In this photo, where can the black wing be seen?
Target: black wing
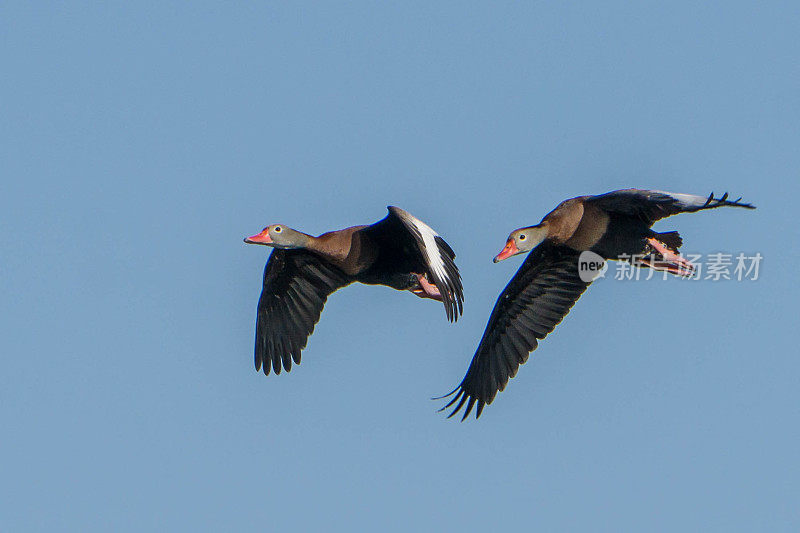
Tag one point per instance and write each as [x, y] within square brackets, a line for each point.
[432, 251]
[296, 285]
[536, 299]
[650, 206]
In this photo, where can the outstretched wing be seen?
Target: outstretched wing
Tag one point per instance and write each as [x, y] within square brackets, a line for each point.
[296, 285]
[651, 206]
[438, 258]
[536, 299]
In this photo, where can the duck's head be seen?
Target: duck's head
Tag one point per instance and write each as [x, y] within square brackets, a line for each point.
[279, 236]
[522, 240]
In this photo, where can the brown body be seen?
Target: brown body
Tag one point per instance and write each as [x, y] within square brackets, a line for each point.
[591, 228]
[583, 225]
[350, 249]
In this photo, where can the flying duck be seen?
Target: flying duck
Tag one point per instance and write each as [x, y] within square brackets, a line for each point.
[399, 251]
[615, 225]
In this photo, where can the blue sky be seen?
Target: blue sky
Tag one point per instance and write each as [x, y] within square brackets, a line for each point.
[141, 142]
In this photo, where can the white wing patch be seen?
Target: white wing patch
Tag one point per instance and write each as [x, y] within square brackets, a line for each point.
[443, 270]
[686, 201]
[432, 254]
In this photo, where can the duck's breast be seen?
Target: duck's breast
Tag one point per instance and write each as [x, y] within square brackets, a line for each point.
[590, 230]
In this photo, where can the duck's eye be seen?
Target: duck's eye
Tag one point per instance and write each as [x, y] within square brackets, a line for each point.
[522, 237]
[278, 229]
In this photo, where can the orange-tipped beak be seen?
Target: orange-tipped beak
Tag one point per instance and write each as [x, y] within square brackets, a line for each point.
[509, 250]
[261, 238]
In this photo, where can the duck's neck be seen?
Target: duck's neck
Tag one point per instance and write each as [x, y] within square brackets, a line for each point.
[347, 249]
[332, 245]
[305, 241]
[539, 233]
[293, 239]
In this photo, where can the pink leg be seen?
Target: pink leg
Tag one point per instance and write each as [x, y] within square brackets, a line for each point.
[672, 262]
[672, 268]
[426, 289]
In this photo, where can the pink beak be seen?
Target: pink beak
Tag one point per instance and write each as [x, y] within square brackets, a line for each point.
[509, 250]
[261, 238]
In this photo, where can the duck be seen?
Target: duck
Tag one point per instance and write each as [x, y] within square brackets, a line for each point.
[399, 251]
[612, 226]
